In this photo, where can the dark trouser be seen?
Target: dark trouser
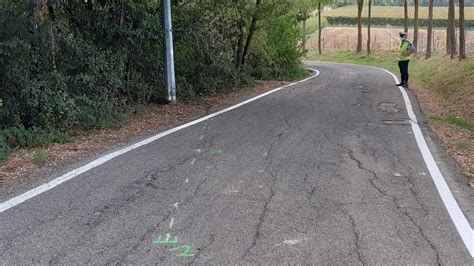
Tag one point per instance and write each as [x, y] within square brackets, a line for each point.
[403, 65]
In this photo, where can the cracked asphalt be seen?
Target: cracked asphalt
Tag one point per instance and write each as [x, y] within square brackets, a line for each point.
[323, 172]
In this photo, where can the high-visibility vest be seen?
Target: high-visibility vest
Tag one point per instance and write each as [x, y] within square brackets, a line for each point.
[404, 48]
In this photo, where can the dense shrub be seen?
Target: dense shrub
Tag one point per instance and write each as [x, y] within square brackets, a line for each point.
[82, 64]
[4, 149]
[277, 56]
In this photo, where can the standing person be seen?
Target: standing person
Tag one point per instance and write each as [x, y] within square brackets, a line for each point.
[404, 56]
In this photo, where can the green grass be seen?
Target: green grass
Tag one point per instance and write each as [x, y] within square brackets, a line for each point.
[387, 60]
[454, 120]
[463, 146]
[450, 80]
[396, 12]
[312, 25]
[40, 158]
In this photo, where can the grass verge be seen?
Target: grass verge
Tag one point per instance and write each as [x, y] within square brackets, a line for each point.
[454, 120]
[450, 81]
[444, 89]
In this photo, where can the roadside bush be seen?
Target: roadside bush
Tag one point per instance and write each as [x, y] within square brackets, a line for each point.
[276, 54]
[79, 65]
[4, 149]
[18, 137]
[39, 158]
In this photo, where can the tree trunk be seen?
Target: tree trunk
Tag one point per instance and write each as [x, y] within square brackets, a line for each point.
[253, 27]
[448, 35]
[405, 7]
[430, 30]
[122, 13]
[368, 26]
[360, 5]
[415, 30]
[462, 40]
[240, 45]
[451, 31]
[319, 28]
[303, 41]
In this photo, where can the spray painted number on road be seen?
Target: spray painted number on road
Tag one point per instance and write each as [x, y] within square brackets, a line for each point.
[185, 252]
[171, 241]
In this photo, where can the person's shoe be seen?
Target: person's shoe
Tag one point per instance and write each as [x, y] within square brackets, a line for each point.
[400, 84]
[405, 85]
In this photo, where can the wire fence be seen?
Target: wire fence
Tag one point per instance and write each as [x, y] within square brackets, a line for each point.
[384, 39]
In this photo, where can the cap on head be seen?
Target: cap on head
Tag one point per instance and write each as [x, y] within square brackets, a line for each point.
[402, 34]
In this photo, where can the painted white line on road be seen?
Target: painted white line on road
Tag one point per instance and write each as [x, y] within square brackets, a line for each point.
[457, 216]
[462, 225]
[70, 175]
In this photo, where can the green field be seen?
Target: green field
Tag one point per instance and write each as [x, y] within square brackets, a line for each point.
[396, 12]
[312, 25]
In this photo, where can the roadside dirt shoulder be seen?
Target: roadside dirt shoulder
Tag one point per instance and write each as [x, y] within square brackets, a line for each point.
[458, 142]
[20, 167]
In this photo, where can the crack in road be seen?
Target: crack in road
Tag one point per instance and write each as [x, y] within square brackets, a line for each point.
[273, 177]
[356, 234]
[397, 206]
[200, 250]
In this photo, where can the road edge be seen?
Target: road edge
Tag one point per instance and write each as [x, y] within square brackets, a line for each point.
[16, 200]
[457, 216]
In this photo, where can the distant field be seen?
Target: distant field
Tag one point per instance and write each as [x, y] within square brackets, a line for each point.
[396, 12]
[383, 39]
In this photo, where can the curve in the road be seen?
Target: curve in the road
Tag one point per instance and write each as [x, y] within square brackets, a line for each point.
[462, 225]
[76, 172]
[459, 219]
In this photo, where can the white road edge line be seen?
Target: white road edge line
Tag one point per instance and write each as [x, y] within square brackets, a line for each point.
[70, 175]
[459, 220]
[457, 216]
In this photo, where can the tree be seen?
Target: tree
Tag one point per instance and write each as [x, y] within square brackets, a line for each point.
[405, 7]
[253, 28]
[319, 28]
[241, 32]
[430, 30]
[360, 6]
[451, 31]
[415, 30]
[368, 26]
[304, 9]
[462, 40]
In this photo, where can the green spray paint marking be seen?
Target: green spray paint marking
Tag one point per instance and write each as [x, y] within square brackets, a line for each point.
[160, 241]
[169, 241]
[185, 252]
[216, 152]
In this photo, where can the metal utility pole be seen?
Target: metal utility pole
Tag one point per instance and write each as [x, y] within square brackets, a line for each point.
[170, 76]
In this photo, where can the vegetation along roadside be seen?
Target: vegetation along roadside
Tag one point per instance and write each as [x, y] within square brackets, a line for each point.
[445, 91]
[72, 67]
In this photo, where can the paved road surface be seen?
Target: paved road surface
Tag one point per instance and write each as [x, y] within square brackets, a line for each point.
[325, 172]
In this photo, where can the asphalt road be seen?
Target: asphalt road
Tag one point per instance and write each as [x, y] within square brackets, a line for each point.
[324, 172]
